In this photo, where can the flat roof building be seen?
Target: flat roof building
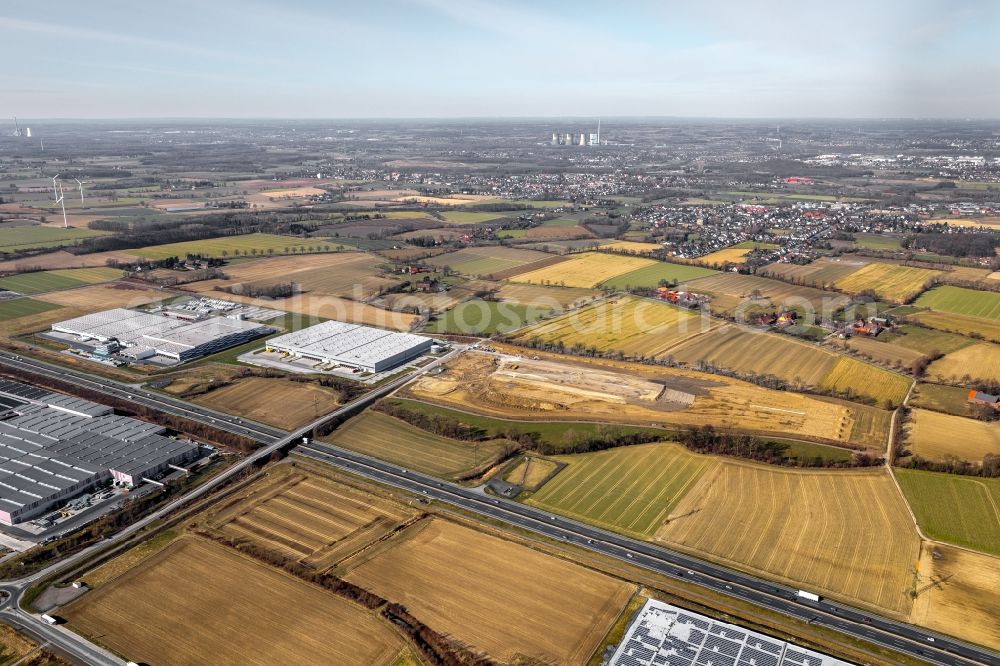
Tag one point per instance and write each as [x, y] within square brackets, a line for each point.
[177, 339]
[55, 446]
[665, 635]
[340, 343]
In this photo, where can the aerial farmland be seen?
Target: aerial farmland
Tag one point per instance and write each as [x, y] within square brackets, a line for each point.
[651, 361]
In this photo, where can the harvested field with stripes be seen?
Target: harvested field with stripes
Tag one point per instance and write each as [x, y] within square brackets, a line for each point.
[555, 298]
[651, 276]
[496, 595]
[388, 438]
[851, 377]
[822, 273]
[958, 594]
[347, 274]
[962, 324]
[889, 281]
[196, 598]
[307, 518]
[937, 436]
[631, 246]
[586, 270]
[629, 489]
[845, 534]
[758, 353]
[255, 398]
[106, 296]
[487, 260]
[896, 356]
[729, 255]
[796, 363]
[979, 361]
[732, 294]
[634, 326]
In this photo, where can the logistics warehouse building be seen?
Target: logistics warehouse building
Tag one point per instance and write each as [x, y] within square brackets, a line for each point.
[147, 334]
[54, 446]
[364, 347]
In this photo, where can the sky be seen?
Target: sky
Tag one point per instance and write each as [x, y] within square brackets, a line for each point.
[499, 58]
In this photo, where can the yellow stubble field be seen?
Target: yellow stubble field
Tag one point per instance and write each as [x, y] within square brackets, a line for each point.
[586, 270]
[496, 595]
[840, 533]
[196, 598]
[956, 593]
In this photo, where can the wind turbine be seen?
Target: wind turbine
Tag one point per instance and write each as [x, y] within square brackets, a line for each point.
[81, 184]
[61, 199]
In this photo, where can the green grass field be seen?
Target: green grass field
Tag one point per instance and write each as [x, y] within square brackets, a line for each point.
[247, 244]
[14, 239]
[962, 510]
[22, 307]
[650, 276]
[948, 399]
[43, 281]
[878, 242]
[959, 300]
[925, 340]
[630, 489]
[396, 441]
[478, 317]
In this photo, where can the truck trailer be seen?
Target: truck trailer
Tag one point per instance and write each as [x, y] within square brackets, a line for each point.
[802, 594]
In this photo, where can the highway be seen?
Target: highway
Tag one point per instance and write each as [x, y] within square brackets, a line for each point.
[272, 438]
[919, 643]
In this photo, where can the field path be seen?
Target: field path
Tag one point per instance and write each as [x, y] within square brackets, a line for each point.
[889, 461]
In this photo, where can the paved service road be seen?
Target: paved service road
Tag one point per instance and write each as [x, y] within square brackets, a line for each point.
[893, 635]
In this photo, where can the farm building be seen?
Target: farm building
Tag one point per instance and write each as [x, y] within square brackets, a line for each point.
[54, 446]
[980, 398]
[665, 634]
[363, 347]
[148, 334]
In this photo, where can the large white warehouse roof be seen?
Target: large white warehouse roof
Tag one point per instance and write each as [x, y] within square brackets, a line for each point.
[352, 344]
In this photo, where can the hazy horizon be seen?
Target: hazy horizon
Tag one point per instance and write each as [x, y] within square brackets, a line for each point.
[438, 59]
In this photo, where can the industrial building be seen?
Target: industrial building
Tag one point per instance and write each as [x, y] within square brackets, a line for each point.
[363, 347]
[665, 635]
[55, 446]
[142, 335]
